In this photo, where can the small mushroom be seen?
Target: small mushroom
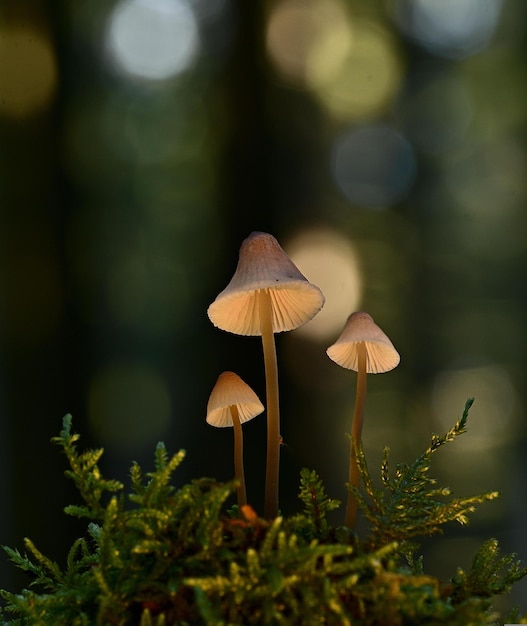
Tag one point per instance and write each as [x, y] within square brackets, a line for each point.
[231, 403]
[267, 294]
[363, 347]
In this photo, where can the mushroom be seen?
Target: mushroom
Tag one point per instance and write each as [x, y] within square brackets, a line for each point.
[231, 403]
[363, 347]
[267, 294]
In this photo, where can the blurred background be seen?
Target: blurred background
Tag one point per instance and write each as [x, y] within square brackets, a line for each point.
[382, 142]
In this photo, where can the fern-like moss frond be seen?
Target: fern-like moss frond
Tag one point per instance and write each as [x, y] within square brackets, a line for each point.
[409, 503]
[165, 554]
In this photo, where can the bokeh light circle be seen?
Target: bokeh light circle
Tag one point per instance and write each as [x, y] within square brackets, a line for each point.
[351, 64]
[306, 36]
[374, 166]
[495, 404]
[28, 71]
[128, 404]
[152, 39]
[449, 28]
[365, 80]
[330, 262]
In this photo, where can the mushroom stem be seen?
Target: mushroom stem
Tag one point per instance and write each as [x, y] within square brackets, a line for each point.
[356, 433]
[238, 456]
[273, 410]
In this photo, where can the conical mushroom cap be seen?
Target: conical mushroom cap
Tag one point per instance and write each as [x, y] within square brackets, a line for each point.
[231, 390]
[360, 327]
[263, 265]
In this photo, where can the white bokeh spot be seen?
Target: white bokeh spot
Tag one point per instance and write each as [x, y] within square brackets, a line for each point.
[152, 39]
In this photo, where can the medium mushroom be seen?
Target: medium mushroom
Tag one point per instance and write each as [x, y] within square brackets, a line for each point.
[364, 348]
[267, 294]
[231, 403]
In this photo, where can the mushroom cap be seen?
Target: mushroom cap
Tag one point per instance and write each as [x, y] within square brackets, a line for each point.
[381, 356]
[263, 265]
[230, 390]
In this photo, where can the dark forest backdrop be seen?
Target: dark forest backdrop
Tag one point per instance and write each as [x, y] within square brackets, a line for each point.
[382, 143]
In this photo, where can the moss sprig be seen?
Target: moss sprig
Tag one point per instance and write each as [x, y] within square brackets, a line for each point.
[409, 502]
[490, 574]
[316, 506]
[164, 554]
[85, 473]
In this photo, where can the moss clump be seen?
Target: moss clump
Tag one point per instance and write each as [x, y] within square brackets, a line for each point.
[177, 555]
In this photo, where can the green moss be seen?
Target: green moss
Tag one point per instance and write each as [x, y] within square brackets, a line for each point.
[165, 555]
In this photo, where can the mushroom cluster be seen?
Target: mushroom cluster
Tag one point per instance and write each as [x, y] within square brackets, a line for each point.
[266, 295]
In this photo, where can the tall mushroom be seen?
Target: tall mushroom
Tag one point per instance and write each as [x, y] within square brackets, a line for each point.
[363, 347]
[267, 294]
[231, 403]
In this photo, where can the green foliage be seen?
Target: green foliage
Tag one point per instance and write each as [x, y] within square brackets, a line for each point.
[312, 522]
[489, 575]
[85, 474]
[163, 555]
[410, 503]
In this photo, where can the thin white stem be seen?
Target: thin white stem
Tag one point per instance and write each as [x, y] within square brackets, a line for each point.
[273, 411]
[238, 456]
[356, 434]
